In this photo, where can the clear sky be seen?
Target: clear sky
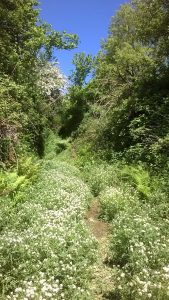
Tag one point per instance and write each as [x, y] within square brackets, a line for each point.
[89, 19]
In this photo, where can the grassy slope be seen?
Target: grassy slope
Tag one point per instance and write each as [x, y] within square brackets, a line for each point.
[46, 251]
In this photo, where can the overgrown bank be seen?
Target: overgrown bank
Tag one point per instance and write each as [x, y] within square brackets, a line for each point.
[46, 250]
[135, 204]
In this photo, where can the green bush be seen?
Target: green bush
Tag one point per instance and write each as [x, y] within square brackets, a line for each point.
[139, 177]
[18, 179]
[100, 175]
[139, 252]
[54, 145]
[113, 200]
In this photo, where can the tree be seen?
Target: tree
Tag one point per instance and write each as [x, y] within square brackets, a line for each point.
[51, 81]
[25, 40]
[76, 101]
[131, 82]
[83, 64]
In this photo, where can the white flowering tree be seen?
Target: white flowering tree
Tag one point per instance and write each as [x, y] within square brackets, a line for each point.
[51, 81]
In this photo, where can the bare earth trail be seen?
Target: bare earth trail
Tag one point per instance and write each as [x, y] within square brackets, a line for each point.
[101, 283]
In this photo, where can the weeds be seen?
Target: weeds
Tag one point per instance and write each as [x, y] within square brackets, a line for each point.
[46, 251]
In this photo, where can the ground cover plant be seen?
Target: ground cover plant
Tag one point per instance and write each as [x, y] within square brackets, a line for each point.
[137, 211]
[46, 251]
[139, 241]
[115, 199]
[139, 255]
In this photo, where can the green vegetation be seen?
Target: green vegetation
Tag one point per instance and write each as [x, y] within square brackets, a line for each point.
[30, 85]
[11, 183]
[106, 138]
[46, 250]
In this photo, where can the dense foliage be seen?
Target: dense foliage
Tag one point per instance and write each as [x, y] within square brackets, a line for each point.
[128, 94]
[26, 46]
[123, 113]
[113, 116]
[46, 251]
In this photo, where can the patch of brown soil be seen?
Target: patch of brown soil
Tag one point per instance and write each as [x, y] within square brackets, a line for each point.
[101, 283]
[97, 227]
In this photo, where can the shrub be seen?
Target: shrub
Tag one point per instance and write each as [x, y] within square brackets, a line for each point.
[139, 252]
[113, 200]
[54, 145]
[139, 177]
[13, 182]
[100, 175]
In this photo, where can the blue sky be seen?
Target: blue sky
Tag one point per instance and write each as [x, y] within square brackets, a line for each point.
[88, 18]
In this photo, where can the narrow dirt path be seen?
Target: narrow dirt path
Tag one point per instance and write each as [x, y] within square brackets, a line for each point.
[101, 284]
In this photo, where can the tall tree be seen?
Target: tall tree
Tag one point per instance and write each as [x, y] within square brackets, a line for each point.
[131, 81]
[83, 64]
[24, 41]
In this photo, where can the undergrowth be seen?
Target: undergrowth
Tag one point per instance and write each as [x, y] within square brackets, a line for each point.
[13, 182]
[135, 202]
[46, 251]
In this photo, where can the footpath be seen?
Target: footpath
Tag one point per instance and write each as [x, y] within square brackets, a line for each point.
[101, 284]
